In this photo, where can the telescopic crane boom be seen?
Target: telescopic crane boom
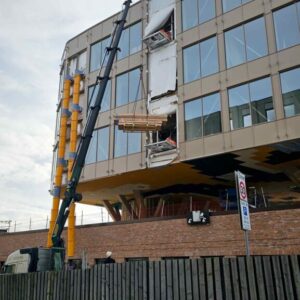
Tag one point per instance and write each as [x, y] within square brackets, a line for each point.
[70, 194]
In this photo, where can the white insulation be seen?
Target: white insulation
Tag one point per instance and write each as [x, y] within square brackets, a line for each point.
[162, 70]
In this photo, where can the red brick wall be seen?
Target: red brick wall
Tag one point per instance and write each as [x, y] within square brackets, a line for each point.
[274, 232]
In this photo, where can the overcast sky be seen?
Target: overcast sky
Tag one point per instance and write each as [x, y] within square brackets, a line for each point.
[32, 38]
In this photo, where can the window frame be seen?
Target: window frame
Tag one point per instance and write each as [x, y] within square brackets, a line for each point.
[202, 116]
[250, 101]
[242, 25]
[199, 45]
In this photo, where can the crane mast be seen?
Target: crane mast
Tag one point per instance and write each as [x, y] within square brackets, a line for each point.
[71, 195]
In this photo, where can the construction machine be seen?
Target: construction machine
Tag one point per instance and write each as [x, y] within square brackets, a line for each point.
[46, 259]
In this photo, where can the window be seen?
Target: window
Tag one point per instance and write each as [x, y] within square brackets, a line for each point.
[131, 40]
[127, 142]
[128, 87]
[202, 117]
[290, 87]
[287, 26]
[99, 146]
[200, 60]
[231, 4]
[196, 12]
[246, 42]
[92, 94]
[251, 103]
[77, 63]
[98, 51]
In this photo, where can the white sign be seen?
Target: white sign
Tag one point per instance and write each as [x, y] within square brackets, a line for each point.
[244, 207]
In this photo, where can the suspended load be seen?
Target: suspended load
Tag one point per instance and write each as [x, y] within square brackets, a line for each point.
[139, 122]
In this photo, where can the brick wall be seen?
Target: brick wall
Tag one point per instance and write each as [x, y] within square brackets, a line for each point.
[274, 232]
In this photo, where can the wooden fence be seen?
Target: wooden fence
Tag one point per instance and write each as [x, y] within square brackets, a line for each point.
[257, 277]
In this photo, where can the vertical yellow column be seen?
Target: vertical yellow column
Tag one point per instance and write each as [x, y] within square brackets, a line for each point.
[60, 157]
[73, 142]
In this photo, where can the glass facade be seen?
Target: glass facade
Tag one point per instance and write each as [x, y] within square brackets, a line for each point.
[290, 88]
[287, 26]
[246, 42]
[200, 60]
[202, 117]
[92, 94]
[195, 12]
[97, 54]
[231, 4]
[251, 103]
[128, 87]
[99, 146]
[131, 41]
[126, 143]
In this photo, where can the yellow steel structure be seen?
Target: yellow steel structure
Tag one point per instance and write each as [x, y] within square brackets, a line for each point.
[60, 157]
[73, 146]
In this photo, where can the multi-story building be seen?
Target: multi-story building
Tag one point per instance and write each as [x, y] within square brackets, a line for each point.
[226, 73]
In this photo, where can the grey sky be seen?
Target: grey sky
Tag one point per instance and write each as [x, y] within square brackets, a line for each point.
[32, 38]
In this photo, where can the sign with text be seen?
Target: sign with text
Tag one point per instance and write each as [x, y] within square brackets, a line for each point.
[243, 200]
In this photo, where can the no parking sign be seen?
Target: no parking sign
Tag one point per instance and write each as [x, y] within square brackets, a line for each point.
[243, 199]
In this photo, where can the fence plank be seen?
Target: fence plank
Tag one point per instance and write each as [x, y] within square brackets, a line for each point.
[217, 276]
[210, 279]
[163, 290]
[119, 281]
[140, 285]
[151, 281]
[103, 272]
[235, 278]
[175, 279]
[127, 290]
[251, 278]
[169, 279]
[227, 278]
[261, 291]
[188, 280]
[145, 281]
[243, 278]
[202, 272]
[278, 277]
[157, 280]
[136, 280]
[286, 276]
[182, 293]
[296, 275]
[268, 277]
[195, 283]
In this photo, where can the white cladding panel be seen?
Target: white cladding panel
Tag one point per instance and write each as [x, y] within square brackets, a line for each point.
[162, 70]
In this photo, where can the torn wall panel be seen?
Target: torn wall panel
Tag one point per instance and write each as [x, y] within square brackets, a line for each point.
[157, 5]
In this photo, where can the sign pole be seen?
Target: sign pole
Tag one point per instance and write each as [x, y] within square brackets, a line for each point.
[243, 207]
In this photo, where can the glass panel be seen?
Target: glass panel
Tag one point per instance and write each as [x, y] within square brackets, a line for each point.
[209, 57]
[239, 106]
[211, 114]
[207, 10]
[235, 47]
[82, 61]
[103, 144]
[286, 27]
[134, 142]
[124, 44]
[192, 117]
[120, 142]
[189, 14]
[92, 94]
[106, 98]
[134, 85]
[191, 61]
[72, 66]
[261, 100]
[95, 57]
[91, 154]
[230, 4]
[135, 38]
[290, 87]
[122, 89]
[256, 39]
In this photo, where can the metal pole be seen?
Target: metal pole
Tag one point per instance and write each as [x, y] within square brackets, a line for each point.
[247, 242]
[15, 226]
[47, 222]
[102, 215]
[82, 217]
[30, 224]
